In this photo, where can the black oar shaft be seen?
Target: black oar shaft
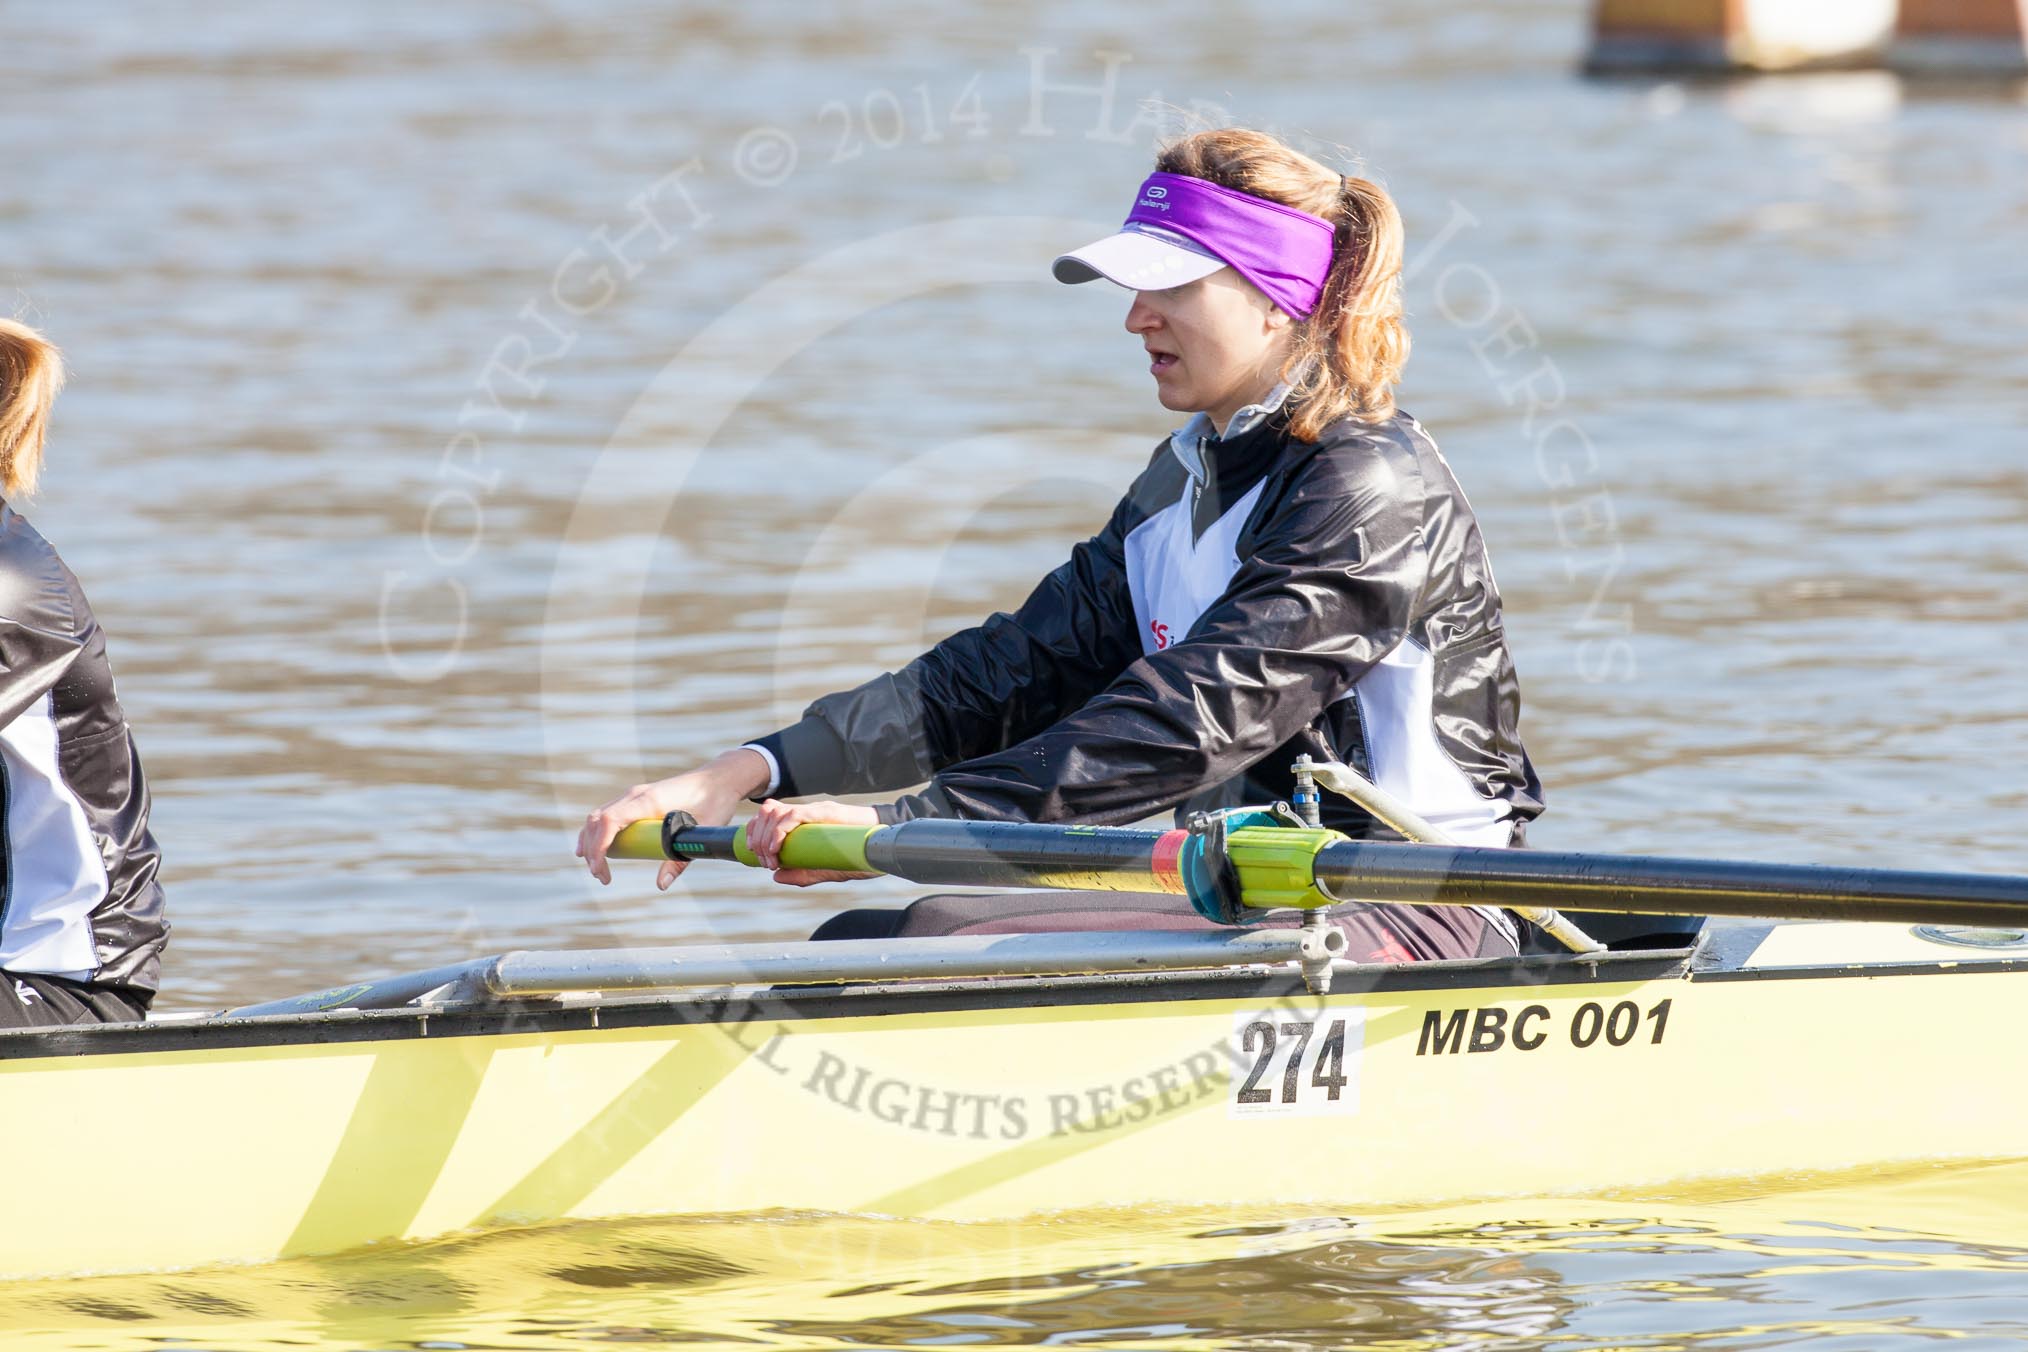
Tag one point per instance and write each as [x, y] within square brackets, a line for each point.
[1651, 885]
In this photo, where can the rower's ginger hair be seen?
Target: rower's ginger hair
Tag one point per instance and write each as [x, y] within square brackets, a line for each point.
[31, 372]
[1346, 358]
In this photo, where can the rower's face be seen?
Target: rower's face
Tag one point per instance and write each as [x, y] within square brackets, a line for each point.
[1215, 345]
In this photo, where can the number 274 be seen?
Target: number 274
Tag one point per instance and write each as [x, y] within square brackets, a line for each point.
[1260, 1040]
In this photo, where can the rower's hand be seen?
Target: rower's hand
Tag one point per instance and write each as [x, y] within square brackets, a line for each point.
[708, 793]
[768, 828]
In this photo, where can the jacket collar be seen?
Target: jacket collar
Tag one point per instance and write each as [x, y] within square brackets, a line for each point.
[1189, 442]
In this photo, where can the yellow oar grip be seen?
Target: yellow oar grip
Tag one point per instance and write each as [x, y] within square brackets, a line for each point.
[638, 840]
[816, 845]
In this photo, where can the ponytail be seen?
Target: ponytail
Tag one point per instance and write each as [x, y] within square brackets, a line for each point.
[31, 372]
[1347, 357]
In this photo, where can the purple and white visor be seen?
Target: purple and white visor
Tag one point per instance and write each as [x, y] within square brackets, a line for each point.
[1184, 228]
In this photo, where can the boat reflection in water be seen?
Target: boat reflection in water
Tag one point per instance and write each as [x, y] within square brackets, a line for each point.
[1873, 1257]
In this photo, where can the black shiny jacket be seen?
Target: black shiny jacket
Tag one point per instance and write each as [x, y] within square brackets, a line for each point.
[1055, 713]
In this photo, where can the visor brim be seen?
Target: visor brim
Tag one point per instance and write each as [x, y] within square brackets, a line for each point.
[1136, 260]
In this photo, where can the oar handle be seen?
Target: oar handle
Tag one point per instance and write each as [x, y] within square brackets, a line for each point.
[822, 845]
[1275, 866]
[642, 840]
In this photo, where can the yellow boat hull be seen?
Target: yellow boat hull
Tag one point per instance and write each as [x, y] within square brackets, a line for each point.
[257, 1139]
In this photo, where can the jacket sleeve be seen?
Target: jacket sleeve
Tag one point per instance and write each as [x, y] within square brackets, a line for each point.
[978, 691]
[33, 658]
[1328, 590]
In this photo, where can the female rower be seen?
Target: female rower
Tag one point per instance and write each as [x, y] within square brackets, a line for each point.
[1295, 571]
[81, 932]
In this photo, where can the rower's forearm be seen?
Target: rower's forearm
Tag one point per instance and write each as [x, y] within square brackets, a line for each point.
[743, 771]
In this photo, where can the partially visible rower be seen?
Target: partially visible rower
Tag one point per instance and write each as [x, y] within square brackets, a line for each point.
[81, 932]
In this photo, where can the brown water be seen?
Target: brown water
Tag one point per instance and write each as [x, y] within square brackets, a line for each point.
[430, 493]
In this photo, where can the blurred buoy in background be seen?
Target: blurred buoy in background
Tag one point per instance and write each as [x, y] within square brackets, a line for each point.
[1961, 37]
[1733, 35]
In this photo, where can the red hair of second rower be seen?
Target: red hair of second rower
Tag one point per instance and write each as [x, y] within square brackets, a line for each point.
[31, 372]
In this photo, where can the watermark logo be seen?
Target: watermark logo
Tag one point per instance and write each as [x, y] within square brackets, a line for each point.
[1509, 350]
[609, 561]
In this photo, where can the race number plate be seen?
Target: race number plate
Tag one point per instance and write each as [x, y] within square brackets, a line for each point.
[1295, 1064]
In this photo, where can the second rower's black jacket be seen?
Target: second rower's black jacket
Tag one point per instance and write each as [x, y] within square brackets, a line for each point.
[1250, 600]
[78, 896]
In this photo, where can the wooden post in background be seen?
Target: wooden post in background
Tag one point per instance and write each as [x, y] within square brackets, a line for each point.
[1690, 36]
[1663, 35]
[1961, 37]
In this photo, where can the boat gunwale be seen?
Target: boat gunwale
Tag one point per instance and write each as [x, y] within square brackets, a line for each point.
[1718, 955]
[743, 1005]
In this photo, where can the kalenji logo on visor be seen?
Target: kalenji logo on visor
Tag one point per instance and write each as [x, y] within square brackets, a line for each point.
[1158, 192]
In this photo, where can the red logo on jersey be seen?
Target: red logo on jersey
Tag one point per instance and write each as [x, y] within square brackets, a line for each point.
[1161, 632]
[1390, 950]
